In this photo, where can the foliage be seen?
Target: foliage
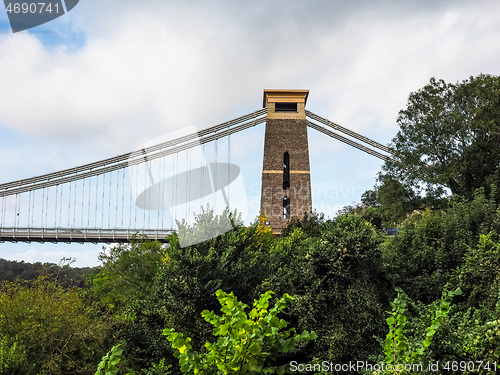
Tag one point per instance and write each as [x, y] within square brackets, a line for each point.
[450, 135]
[369, 213]
[139, 329]
[124, 285]
[109, 363]
[13, 359]
[206, 225]
[339, 285]
[68, 276]
[184, 283]
[396, 201]
[393, 201]
[246, 344]
[127, 273]
[309, 224]
[481, 339]
[260, 232]
[57, 329]
[401, 350]
[479, 276]
[187, 280]
[430, 245]
[478, 319]
[159, 368]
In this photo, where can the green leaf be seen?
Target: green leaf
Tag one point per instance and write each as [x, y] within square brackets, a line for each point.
[255, 348]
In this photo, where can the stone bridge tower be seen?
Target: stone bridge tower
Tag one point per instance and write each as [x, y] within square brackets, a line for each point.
[286, 182]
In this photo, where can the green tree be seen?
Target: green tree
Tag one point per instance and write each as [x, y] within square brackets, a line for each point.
[472, 332]
[59, 332]
[237, 260]
[124, 285]
[339, 285]
[127, 273]
[430, 245]
[479, 335]
[309, 224]
[478, 317]
[395, 200]
[450, 135]
[479, 276]
[207, 225]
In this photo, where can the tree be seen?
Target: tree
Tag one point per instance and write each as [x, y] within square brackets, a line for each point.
[479, 275]
[58, 332]
[127, 273]
[13, 359]
[478, 317]
[11, 270]
[339, 284]
[450, 135]
[124, 285]
[396, 201]
[189, 276]
[431, 244]
[309, 224]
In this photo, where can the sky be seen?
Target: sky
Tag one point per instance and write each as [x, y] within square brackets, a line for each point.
[111, 75]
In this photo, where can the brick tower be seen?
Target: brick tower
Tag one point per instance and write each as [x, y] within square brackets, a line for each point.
[286, 182]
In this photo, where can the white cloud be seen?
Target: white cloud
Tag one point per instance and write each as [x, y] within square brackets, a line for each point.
[149, 67]
[145, 71]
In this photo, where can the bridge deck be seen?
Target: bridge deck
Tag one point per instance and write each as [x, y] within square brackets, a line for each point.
[80, 235]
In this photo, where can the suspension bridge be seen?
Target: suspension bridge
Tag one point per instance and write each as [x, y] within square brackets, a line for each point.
[146, 192]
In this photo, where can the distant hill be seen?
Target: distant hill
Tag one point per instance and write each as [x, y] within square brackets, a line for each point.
[11, 270]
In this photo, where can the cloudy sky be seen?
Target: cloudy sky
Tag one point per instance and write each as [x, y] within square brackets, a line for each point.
[113, 74]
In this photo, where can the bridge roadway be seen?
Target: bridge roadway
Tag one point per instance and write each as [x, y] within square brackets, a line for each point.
[81, 235]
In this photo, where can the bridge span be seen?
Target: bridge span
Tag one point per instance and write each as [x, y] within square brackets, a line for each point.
[147, 192]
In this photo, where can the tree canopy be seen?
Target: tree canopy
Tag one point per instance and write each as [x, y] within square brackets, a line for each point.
[450, 135]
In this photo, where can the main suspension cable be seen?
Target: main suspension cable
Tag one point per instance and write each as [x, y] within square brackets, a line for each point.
[135, 158]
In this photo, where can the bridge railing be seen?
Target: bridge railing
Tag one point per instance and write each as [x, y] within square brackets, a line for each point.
[80, 235]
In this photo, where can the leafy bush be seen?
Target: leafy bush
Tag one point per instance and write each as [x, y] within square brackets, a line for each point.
[399, 349]
[478, 317]
[246, 344]
[13, 360]
[109, 363]
[479, 276]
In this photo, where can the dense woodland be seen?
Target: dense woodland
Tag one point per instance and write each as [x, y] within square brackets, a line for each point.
[344, 290]
[11, 270]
